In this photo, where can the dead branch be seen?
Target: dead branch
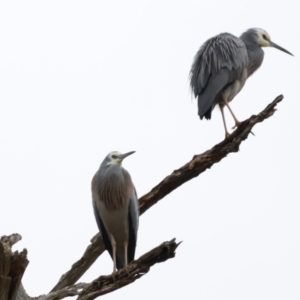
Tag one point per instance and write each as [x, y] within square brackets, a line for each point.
[68, 291]
[136, 269]
[93, 251]
[12, 267]
[107, 284]
[199, 164]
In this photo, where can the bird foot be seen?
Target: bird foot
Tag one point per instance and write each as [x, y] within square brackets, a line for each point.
[237, 124]
[227, 135]
[126, 270]
[113, 275]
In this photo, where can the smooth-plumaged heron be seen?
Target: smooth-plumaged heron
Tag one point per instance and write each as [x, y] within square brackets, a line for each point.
[116, 209]
[221, 67]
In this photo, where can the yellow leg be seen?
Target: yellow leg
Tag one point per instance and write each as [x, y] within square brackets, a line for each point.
[114, 249]
[126, 256]
[227, 134]
[237, 122]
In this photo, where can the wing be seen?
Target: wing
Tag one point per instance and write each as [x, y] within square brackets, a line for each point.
[218, 63]
[133, 220]
[102, 230]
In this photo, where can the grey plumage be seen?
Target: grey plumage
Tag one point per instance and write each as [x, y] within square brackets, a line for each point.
[219, 62]
[222, 66]
[254, 51]
[116, 208]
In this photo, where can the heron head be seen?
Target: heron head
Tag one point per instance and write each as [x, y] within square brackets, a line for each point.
[264, 40]
[116, 157]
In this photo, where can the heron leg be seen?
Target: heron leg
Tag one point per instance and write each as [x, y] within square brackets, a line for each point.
[227, 134]
[126, 256]
[237, 122]
[114, 249]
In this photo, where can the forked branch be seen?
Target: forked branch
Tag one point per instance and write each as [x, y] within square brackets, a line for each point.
[107, 284]
[199, 164]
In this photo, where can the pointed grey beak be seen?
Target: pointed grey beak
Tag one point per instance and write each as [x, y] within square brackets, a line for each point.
[122, 156]
[280, 48]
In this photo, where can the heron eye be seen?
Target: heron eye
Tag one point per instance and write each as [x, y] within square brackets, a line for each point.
[265, 37]
[114, 156]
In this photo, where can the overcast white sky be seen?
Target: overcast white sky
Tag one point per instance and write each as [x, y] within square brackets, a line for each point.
[79, 79]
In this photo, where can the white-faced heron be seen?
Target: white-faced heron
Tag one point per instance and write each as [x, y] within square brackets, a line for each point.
[116, 209]
[221, 67]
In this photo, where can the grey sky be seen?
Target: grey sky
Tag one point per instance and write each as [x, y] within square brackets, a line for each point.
[82, 78]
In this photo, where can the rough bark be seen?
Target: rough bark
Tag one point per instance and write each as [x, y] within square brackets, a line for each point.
[107, 284]
[199, 164]
[12, 267]
[136, 269]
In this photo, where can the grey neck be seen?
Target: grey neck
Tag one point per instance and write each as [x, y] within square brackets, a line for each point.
[255, 56]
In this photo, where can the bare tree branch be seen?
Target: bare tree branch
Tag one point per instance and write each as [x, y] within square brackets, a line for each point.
[22, 295]
[106, 284]
[192, 169]
[19, 263]
[93, 251]
[200, 163]
[136, 269]
[12, 267]
[68, 291]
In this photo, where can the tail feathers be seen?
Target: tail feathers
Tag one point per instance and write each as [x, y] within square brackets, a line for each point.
[120, 265]
[208, 99]
[121, 257]
[207, 115]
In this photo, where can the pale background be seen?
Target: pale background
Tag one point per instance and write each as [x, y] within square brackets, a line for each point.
[79, 79]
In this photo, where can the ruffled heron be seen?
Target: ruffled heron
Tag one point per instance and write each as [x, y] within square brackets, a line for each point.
[221, 67]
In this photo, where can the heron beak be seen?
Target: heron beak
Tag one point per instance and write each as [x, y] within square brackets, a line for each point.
[280, 48]
[122, 156]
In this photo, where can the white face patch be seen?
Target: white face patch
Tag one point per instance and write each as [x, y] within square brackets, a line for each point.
[263, 38]
[115, 158]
